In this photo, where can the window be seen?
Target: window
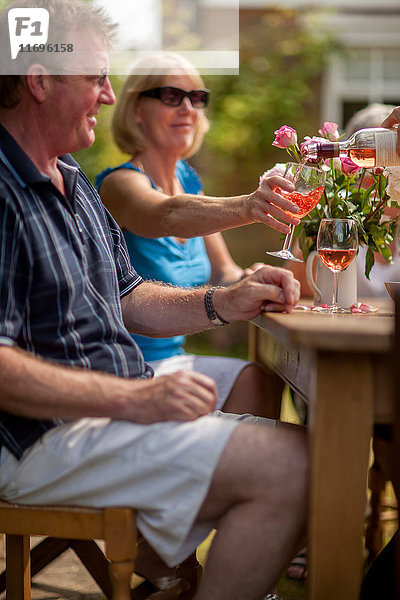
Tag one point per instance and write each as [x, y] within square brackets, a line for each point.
[358, 76]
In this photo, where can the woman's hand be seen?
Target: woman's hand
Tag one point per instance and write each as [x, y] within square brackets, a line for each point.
[266, 205]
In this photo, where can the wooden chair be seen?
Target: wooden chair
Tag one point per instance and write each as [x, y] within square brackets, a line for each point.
[75, 527]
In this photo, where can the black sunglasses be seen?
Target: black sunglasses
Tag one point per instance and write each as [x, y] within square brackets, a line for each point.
[173, 96]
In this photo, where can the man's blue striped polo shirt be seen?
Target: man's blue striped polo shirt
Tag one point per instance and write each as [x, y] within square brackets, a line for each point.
[63, 268]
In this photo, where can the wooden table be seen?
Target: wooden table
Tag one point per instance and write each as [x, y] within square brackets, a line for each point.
[339, 364]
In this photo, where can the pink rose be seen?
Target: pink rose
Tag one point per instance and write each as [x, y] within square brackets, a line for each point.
[378, 170]
[310, 140]
[330, 131]
[285, 136]
[348, 167]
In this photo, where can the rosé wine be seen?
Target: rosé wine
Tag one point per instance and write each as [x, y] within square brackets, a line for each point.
[305, 202]
[363, 157]
[337, 259]
[308, 188]
[369, 147]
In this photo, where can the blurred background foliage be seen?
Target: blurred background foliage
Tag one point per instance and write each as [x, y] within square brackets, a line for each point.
[279, 81]
[281, 67]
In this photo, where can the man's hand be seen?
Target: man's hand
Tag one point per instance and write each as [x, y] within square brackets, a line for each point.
[254, 267]
[265, 205]
[392, 120]
[182, 396]
[266, 289]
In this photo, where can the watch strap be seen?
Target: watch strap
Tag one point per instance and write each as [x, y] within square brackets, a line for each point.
[212, 314]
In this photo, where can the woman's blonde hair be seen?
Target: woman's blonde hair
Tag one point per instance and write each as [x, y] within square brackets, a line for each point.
[150, 72]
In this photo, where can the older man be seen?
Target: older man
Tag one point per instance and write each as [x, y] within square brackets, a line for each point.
[82, 420]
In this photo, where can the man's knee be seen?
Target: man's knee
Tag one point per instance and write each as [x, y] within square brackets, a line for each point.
[255, 461]
[265, 454]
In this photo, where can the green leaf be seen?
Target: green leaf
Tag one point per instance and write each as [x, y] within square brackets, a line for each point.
[369, 262]
[382, 184]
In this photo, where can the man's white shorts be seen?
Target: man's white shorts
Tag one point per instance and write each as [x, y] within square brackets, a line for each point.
[163, 470]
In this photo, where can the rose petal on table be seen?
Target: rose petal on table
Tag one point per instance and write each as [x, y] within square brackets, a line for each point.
[359, 307]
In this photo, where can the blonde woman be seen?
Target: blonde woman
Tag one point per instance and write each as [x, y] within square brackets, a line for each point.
[171, 228]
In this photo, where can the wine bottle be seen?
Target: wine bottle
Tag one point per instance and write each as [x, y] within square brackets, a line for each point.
[372, 147]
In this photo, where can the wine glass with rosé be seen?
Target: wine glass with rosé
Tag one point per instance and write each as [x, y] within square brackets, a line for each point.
[309, 184]
[337, 245]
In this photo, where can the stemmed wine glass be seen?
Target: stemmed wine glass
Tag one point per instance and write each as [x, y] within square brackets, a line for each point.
[337, 244]
[309, 186]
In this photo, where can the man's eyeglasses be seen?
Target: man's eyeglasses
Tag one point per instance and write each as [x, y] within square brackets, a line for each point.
[173, 96]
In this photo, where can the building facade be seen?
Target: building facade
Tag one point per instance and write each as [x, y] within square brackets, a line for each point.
[365, 65]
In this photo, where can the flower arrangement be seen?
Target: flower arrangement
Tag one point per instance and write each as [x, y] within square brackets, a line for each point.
[350, 192]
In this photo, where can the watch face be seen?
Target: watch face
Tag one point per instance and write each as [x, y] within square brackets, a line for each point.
[215, 320]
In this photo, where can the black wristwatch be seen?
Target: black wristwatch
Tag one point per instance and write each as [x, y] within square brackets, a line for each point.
[212, 314]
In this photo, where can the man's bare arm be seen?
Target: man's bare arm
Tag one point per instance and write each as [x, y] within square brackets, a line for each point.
[39, 389]
[160, 310]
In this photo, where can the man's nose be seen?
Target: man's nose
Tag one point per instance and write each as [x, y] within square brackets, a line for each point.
[107, 95]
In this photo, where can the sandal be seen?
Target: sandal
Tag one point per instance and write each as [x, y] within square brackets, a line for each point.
[297, 568]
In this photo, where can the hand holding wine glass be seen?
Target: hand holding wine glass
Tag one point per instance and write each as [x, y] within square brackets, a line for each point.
[337, 244]
[309, 186]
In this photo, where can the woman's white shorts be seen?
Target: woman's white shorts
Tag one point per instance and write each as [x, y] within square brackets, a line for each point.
[222, 369]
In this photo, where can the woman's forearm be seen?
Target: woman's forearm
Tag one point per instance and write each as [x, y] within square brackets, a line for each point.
[151, 213]
[190, 215]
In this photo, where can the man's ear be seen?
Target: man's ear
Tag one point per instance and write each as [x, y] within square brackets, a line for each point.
[37, 79]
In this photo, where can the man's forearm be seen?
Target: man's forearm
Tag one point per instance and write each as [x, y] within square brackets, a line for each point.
[35, 388]
[38, 389]
[160, 310]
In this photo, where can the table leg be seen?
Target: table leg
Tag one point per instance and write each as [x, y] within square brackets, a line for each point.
[341, 409]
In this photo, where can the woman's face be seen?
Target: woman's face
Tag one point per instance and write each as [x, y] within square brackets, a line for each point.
[169, 128]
